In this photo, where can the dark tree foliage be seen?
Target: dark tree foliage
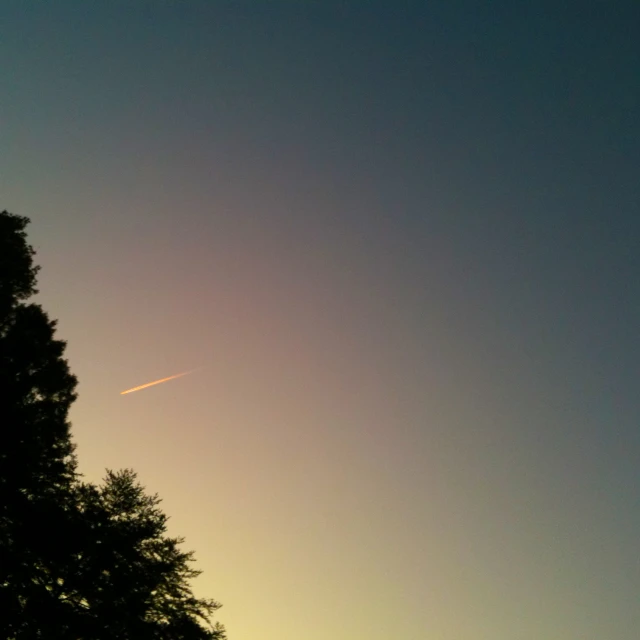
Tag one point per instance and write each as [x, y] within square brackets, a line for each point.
[77, 561]
[37, 465]
[18, 279]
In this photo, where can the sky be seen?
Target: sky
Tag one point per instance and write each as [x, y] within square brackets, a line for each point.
[401, 240]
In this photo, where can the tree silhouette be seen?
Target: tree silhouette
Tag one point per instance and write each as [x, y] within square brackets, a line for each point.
[77, 561]
[37, 465]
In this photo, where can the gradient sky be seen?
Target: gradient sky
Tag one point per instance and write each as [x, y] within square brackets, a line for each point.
[403, 240]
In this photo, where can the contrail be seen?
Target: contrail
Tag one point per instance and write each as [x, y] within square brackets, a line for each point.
[150, 384]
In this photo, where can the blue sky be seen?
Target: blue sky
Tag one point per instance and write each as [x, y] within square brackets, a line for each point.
[403, 239]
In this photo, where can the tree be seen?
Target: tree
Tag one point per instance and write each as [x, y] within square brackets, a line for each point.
[77, 561]
[36, 459]
[138, 575]
[37, 462]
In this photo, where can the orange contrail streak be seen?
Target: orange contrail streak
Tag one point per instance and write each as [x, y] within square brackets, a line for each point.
[150, 384]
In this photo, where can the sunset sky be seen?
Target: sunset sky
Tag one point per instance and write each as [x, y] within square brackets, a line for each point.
[400, 243]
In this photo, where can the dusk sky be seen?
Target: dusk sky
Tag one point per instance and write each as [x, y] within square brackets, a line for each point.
[402, 240]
